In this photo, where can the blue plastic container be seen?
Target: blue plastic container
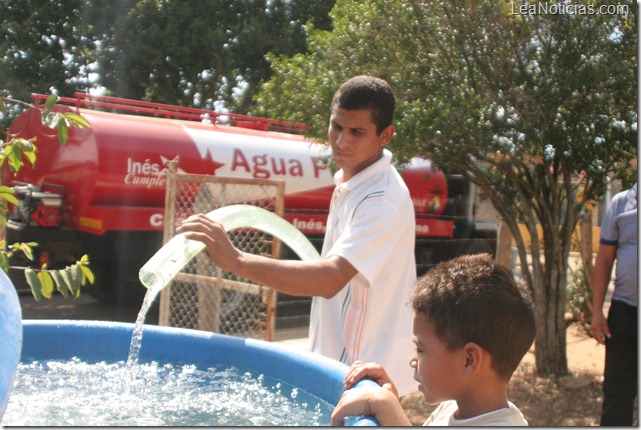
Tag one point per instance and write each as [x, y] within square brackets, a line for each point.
[10, 337]
[95, 341]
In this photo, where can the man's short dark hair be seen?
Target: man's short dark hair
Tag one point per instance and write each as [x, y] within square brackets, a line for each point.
[368, 92]
[473, 299]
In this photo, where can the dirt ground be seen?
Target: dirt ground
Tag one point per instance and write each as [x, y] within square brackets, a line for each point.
[572, 400]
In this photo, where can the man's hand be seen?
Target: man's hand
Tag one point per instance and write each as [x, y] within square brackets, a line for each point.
[219, 248]
[599, 327]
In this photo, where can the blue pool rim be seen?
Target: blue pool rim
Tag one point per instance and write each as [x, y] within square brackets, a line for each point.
[10, 337]
[103, 341]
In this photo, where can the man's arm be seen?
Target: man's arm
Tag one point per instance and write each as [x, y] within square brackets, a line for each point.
[323, 277]
[602, 272]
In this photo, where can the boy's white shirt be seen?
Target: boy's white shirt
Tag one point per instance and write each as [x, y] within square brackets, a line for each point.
[444, 416]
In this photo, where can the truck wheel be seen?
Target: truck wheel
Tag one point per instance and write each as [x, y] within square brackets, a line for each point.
[115, 288]
[116, 260]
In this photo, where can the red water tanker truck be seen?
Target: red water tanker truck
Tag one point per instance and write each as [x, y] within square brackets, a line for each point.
[103, 192]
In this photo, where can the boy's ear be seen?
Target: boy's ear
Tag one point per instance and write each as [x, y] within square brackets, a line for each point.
[474, 357]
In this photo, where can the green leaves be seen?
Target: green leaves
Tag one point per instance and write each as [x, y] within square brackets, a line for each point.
[6, 195]
[34, 283]
[67, 281]
[87, 274]
[171, 53]
[25, 248]
[52, 100]
[46, 284]
[60, 282]
[14, 151]
[43, 282]
[61, 121]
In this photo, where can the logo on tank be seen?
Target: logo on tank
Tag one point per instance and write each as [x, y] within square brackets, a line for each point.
[148, 174]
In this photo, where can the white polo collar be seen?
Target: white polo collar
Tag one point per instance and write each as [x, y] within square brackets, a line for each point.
[362, 176]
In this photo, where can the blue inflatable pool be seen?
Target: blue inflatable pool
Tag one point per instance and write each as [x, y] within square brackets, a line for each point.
[97, 341]
[10, 337]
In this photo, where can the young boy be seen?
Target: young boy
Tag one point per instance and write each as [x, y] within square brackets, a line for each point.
[472, 325]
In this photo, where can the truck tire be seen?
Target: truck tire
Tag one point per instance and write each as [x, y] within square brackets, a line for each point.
[116, 259]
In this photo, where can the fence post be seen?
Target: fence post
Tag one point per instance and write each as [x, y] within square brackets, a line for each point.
[164, 313]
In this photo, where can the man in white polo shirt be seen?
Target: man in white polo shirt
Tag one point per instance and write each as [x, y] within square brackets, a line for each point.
[367, 271]
[371, 225]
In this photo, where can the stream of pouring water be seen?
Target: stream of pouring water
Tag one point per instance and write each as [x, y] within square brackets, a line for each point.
[163, 266]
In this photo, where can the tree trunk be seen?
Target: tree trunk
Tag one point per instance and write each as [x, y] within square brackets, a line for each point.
[550, 275]
[550, 341]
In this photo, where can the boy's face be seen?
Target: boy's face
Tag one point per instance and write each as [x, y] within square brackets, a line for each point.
[354, 141]
[435, 368]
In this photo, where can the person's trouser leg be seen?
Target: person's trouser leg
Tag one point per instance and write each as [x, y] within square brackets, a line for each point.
[620, 374]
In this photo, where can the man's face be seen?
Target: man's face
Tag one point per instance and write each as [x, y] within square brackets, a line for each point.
[354, 141]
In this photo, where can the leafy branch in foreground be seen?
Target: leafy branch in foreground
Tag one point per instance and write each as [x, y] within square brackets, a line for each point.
[67, 281]
[13, 151]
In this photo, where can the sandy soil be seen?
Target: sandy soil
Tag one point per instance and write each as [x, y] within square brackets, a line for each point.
[572, 400]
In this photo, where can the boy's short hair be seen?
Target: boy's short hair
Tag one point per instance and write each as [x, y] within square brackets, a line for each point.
[473, 299]
[368, 92]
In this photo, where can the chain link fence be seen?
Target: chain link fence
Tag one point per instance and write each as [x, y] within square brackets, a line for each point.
[202, 296]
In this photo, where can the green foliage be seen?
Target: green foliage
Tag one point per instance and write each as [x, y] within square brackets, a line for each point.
[197, 53]
[580, 298]
[61, 121]
[69, 280]
[14, 151]
[301, 87]
[44, 44]
[474, 80]
[537, 109]
[209, 52]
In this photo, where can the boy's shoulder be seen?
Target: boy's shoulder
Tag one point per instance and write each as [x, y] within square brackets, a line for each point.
[443, 415]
